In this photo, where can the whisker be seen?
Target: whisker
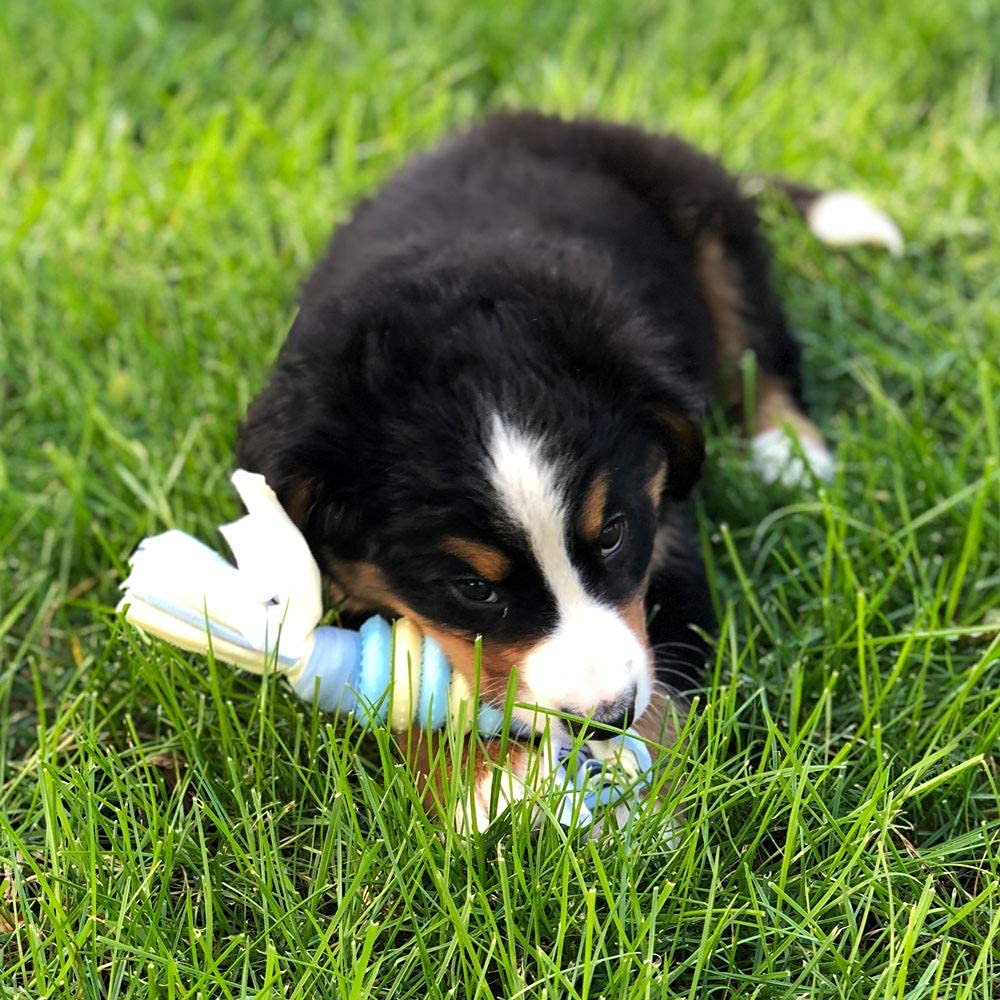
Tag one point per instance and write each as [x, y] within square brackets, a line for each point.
[664, 646]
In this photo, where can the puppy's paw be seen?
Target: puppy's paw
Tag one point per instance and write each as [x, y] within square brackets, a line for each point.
[582, 788]
[497, 785]
[779, 458]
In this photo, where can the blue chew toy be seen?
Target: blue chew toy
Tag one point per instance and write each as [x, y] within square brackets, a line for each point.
[263, 614]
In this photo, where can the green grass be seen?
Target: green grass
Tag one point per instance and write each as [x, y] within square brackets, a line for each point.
[167, 174]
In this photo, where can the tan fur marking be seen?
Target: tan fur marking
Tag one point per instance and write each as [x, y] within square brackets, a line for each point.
[429, 757]
[591, 519]
[777, 408]
[720, 286]
[298, 501]
[486, 561]
[361, 586]
[495, 667]
[633, 612]
[634, 615]
[655, 486]
[657, 723]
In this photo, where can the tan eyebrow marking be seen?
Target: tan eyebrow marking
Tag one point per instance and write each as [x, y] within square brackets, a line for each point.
[655, 485]
[720, 286]
[361, 586]
[488, 562]
[591, 518]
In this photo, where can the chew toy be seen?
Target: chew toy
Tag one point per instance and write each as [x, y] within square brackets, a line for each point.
[263, 614]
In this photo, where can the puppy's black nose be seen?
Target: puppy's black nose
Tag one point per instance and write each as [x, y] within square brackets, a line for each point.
[607, 720]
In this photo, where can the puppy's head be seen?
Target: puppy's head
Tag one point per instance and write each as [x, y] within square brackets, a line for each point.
[490, 458]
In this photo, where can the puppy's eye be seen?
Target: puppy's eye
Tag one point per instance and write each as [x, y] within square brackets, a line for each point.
[475, 591]
[612, 536]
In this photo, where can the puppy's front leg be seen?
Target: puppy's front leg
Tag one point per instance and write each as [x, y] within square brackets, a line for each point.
[498, 773]
[492, 774]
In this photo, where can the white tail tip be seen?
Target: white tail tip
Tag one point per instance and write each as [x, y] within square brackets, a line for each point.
[846, 218]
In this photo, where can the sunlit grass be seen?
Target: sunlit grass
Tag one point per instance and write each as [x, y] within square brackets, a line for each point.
[172, 828]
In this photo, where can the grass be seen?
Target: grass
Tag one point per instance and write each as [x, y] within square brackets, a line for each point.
[169, 829]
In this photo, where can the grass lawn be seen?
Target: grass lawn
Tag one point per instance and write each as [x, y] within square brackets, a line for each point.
[167, 174]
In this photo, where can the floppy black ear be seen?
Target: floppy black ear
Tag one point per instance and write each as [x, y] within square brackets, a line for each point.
[681, 437]
[297, 442]
[263, 438]
[277, 439]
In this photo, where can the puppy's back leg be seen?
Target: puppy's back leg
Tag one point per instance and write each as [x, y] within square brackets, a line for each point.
[732, 269]
[703, 204]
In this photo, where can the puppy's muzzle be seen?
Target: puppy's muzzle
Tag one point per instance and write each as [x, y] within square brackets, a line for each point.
[607, 719]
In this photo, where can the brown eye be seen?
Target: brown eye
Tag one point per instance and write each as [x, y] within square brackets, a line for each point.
[475, 590]
[612, 536]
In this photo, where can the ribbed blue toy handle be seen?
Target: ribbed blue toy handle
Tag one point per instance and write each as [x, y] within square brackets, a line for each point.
[351, 671]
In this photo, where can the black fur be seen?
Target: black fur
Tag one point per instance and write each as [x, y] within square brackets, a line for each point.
[537, 267]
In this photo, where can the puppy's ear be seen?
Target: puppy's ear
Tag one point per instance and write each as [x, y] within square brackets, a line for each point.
[267, 440]
[298, 496]
[680, 435]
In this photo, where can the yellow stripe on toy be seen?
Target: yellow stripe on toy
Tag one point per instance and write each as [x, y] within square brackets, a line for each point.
[406, 661]
[460, 708]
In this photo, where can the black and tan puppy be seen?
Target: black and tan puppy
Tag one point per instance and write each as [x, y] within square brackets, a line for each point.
[486, 414]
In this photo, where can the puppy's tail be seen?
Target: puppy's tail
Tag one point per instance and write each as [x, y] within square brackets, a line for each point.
[837, 218]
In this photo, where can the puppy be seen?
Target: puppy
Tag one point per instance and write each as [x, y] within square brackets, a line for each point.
[486, 414]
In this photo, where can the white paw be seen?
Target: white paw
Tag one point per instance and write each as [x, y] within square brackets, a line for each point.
[583, 787]
[778, 459]
[496, 787]
[845, 218]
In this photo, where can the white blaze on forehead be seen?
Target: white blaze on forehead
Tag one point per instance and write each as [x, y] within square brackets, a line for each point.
[592, 658]
[527, 483]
